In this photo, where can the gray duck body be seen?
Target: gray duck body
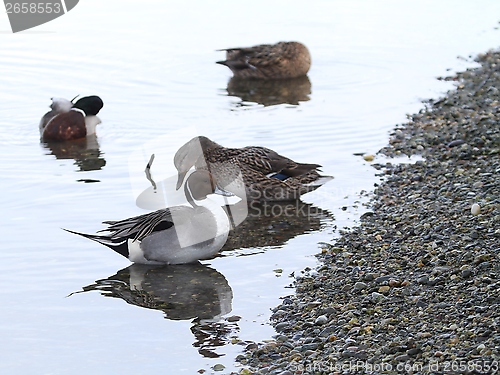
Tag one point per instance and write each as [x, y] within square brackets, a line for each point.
[175, 235]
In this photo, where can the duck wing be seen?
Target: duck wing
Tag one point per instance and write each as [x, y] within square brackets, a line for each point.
[257, 56]
[267, 162]
[138, 227]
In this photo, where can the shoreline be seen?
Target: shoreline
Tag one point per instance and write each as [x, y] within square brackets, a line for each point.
[414, 288]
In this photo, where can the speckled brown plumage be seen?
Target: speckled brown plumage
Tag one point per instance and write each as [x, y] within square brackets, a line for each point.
[269, 61]
[65, 126]
[260, 173]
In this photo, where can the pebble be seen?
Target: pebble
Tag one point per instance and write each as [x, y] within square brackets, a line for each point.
[413, 351]
[282, 326]
[320, 320]
[475, 209]
[360, 285]
[368, 157]
[218, 367]
[382, 279]
[423, 280]
[377, 297]
[466, 273]
[384, 289]
[457, 142]
[311, 346]
[402, 358]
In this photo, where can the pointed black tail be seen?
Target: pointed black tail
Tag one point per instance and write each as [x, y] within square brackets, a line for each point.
[119, 245]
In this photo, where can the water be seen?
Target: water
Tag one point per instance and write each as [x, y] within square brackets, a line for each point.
[153, 65]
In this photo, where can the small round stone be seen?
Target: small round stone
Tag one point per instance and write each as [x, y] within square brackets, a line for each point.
[384, 289]
[360, 285]
[475, 209]
[218, 367]
[320, 320]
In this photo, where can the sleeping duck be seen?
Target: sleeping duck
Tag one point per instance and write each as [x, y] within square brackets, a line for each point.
[67, 121]
[175, 235]
[253, 173]
[268, 61]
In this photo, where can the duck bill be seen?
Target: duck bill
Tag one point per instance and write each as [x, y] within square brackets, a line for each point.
[223, 192]
[180, 179]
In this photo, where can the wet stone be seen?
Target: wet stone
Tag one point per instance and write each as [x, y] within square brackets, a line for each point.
[368, 277]
[360, 285]
[326, 332]
[423, 280]
[282, 326]
[320, 320]
[311, 346]
[413, 351]
[383, 279]
[402, 358]
[466, 273]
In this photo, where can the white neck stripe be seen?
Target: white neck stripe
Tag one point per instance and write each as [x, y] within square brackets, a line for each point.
[79, 110]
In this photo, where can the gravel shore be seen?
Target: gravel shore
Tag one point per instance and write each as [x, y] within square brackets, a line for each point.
[415, 288]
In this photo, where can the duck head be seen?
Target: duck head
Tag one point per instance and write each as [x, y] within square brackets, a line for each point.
[199, 185]
[91, 105]
[191, 154]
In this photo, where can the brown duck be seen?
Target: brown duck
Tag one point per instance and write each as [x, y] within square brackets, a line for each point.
[269, 61]
[67, 121]
[255, 173]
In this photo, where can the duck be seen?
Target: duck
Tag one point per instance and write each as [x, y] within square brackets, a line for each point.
[67, 121]
[282, 60]
[175, 235]
[253, 173]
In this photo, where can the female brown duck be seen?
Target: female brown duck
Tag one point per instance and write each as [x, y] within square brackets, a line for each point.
[269, 61]
[253, 172]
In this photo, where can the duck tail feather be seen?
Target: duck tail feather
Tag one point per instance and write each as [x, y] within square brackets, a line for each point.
[320, 181]
[117, 244]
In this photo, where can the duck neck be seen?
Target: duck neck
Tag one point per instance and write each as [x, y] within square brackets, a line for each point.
[189, 196]
[90, 123]
[205, 202]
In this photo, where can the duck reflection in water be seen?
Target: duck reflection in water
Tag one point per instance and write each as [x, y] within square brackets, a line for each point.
[182, 292]
[85, 152]
[273, 224]
[270, 92]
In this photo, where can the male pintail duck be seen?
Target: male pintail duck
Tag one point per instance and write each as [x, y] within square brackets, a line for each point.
[269, 61]
[254, 173]
[67, 121]
[174, 235]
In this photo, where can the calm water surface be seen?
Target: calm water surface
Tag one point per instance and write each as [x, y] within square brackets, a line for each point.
[153, 64]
